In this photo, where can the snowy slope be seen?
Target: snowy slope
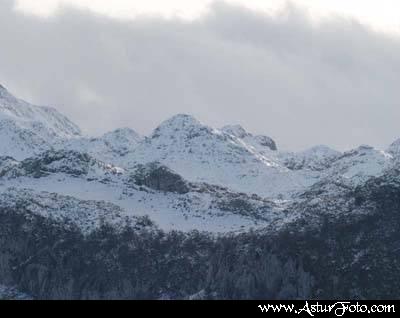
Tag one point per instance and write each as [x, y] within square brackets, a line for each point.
[394, 149]
[86, 214]
[259, 142]
[26, 129]
[203, 154]
[112, 147]
[175, 203]
[80, 176]
[191, 211]
[356, 166]
[317, 158]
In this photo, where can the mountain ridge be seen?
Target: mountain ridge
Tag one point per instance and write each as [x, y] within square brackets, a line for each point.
[190, 212]
[185, 155]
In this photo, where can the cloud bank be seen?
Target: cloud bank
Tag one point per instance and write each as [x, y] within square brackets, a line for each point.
[302, 83]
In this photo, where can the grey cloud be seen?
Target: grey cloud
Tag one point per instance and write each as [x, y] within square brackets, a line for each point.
[334, 83]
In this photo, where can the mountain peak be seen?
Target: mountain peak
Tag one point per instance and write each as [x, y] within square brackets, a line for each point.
[26, 129]
[4, 92]
[182, 119]
[6, 97]
[179, 123]
[394, 148]
[235, 130]
[260, 140]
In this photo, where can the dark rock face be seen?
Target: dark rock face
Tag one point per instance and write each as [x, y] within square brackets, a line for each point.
[73, 163]
[239, 132]
[266, 142]
[69, 162]
[300, 164]
[6, 163]
[160, 178]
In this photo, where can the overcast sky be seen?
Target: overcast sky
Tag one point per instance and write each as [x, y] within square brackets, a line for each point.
[312, 72]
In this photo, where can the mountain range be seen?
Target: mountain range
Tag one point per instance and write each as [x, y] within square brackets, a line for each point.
[294, 224]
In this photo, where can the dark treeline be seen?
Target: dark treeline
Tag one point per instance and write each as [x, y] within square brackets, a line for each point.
[349, 257]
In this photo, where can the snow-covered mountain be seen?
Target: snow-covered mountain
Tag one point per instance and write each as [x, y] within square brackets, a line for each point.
[260, 142]
[26, 130]
[204, 154]
[358, 165]
[152, 189]
[122, 215]
[317, 158]
[112, 147]
[185, 175]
